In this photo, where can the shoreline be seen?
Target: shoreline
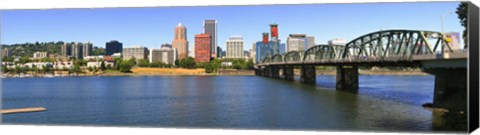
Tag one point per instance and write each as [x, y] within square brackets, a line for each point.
[200, 72]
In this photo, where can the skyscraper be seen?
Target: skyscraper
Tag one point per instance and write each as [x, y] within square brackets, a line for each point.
[77, 51]
[87, 49]
[202, 48]
[66, 49]
[310, 42]
[219, 50]
[113, 47]
[235, 47]
[210, 28]
[180, 41]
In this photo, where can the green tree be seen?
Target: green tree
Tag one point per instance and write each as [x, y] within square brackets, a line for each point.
[17, 70]
[117, 63]
[250, 64]
[209, 68]
[5, 69]
[109, 66]
[463, 16]
[76, 69]
[24, 60]
[143, 63]
[102, 66]
[155, 64]
[177, 63]
[90, 69]
[133, 60]
[187, 63]
[126, 66]
[239, 64]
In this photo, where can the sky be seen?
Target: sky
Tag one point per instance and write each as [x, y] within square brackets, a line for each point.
[153, 26]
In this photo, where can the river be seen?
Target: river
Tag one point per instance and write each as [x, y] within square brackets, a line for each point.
[383, 103]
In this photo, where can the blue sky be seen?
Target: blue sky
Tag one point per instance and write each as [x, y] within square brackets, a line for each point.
[154, 26]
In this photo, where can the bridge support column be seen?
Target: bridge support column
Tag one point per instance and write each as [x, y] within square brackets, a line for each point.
[450, 90]
[308, 74]
[288, 73]
[275, 71]
[257, 71]
[347, 78]
[266, 71]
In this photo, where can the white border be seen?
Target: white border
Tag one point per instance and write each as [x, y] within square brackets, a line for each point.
[54, 4]
[48, 4]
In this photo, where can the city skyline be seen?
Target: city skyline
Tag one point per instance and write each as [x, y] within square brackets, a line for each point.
[151, 27]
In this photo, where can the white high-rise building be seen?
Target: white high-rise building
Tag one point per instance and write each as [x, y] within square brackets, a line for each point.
[235, 47]
[137, 52]
[296, 42]
[337, 41]
[310, 42]
[165, 54]
[87, 49]
[253, 51]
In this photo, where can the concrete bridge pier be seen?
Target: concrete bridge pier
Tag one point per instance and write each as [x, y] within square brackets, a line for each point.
[275, 71]
[266, 71]
[308, 74]
[450, 90]
[288, 73]
[347, 78]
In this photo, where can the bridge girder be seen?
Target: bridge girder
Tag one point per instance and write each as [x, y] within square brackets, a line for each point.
[277, 58]
[322, 52]
[293, 56]
[389, 44]
[398, 43]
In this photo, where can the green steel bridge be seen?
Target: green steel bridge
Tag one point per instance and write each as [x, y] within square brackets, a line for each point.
[428, 50]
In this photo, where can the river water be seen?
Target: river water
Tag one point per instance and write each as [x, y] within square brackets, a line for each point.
[383, 103]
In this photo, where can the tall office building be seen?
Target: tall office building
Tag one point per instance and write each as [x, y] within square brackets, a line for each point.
[202, 48]
[310, 42]
[77, 51]
[87, 49]
[66, 50]
[281, 48]
[235, 47]
[210, 28]
[296, 42]
[219, 50]
[113, 47]
[166, 45]
[180, 41]
[253, 51]
[137, 52]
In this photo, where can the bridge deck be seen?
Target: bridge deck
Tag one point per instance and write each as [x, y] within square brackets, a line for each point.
[412, 61]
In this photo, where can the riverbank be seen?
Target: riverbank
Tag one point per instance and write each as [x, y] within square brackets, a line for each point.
[200, 71]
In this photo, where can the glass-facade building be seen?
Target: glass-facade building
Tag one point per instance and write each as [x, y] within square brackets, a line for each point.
[268, 50]
[113, 47]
